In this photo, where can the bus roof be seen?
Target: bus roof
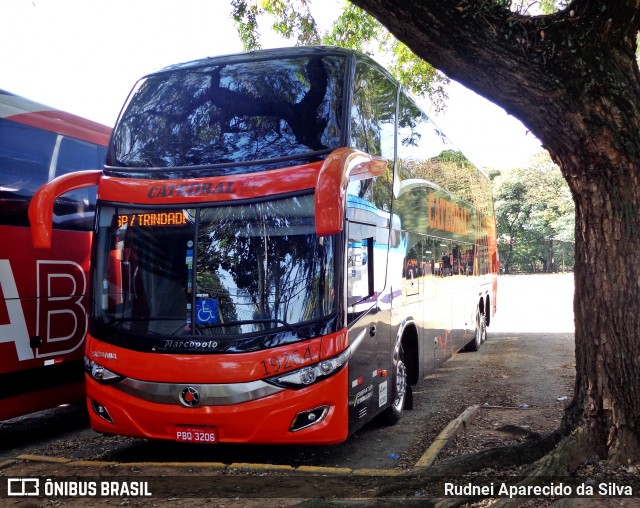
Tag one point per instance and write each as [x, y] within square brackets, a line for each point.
[19, 109]
[263, 54]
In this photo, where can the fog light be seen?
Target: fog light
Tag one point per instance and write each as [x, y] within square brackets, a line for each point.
[309, 418]
[101, 411]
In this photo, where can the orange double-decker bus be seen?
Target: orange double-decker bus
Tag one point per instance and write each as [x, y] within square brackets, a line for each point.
[44, 294]
[284, 245]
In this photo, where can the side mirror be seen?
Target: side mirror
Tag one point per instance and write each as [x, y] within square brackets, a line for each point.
[41, 206]
[341, 166]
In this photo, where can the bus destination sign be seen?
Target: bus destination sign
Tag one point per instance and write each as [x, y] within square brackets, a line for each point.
[150, 219]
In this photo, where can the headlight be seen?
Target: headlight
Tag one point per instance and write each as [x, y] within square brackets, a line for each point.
[312, 373]
[99, 373]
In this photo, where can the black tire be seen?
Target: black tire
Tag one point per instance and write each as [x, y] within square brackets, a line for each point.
[480, 334]
[394, 412]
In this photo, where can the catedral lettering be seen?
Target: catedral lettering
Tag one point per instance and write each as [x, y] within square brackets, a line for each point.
[43, 293]
[193, 189]
[295, 307]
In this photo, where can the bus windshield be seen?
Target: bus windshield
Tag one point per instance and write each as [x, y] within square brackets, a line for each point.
[223, 271]
[232, 113]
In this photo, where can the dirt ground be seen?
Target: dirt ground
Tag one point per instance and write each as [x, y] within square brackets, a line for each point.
[497, 426]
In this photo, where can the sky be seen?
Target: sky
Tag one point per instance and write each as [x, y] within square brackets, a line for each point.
[84, 56]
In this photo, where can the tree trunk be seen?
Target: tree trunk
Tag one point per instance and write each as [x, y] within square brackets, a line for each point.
[599, 156]
[573, 80]
[509, 258]
[607, 292]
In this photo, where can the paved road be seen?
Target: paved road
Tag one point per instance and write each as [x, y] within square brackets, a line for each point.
[528, 359]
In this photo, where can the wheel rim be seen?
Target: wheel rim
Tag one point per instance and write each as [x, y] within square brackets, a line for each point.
[484, 329]
[401, 385]
[480, 329]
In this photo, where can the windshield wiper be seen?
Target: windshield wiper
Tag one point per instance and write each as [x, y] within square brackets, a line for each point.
[141, 319]
[297, 329]
[292, 328]
[112, 324]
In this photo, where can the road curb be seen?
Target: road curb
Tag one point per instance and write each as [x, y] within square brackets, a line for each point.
[454, 427]
[44, 458]
[6, 463]
[234, 466]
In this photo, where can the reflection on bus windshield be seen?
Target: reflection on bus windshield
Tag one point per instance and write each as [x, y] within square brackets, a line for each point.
[259, 266]
[232, 113]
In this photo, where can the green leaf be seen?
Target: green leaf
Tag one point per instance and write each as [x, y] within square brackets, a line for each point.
[353, 28]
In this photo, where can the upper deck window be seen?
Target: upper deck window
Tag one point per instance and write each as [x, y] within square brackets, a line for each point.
[373, 112]
[29, 157]
[232, 113]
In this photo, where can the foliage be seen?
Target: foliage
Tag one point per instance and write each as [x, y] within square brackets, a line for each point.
[246, 18]
[529, 7]
[536, 218]
[291, 18]
[353, 28]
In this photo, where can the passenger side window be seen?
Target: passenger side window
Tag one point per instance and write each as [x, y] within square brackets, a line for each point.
[373, 112]
[420, 144]
[360, 270]
[75, 209]
[25, 158]
[373, 115]
[77, 155]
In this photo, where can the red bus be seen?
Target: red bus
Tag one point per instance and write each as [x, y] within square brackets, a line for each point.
[284, 245]
[43, 294]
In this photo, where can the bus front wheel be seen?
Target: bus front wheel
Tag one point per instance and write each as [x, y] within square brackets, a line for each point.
[394, 412]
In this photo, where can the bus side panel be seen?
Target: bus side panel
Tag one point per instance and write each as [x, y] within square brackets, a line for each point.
[43, 301]
[441, 303]
[13, 406]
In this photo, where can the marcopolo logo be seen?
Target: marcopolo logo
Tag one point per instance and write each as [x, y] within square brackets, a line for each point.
[23, 487]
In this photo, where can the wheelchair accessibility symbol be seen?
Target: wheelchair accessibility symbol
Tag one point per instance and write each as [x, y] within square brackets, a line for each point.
[206, 310]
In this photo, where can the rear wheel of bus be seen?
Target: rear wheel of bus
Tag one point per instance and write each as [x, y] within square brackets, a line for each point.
[480, 334]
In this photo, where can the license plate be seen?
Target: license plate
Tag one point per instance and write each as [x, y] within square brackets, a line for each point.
[202, 435]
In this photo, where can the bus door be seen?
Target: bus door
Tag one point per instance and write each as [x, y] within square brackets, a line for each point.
[368, 384]
[368, 308]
